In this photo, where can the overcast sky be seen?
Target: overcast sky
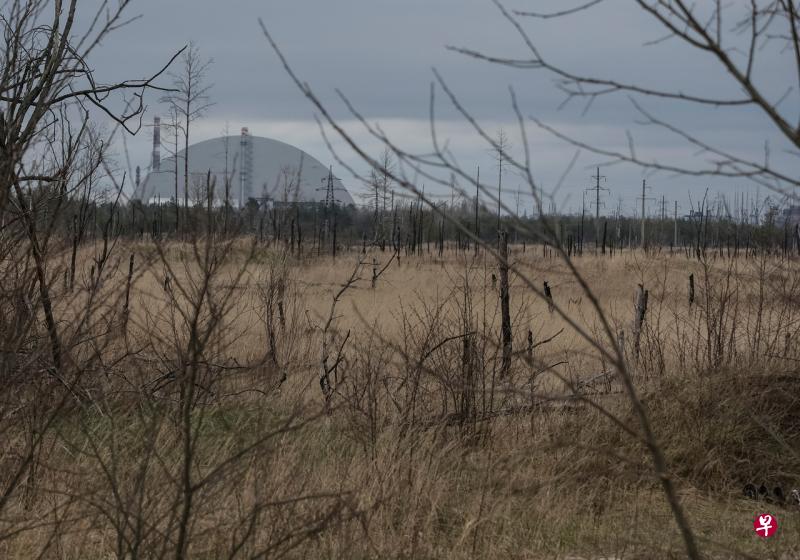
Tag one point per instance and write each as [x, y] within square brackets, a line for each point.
[380, 54]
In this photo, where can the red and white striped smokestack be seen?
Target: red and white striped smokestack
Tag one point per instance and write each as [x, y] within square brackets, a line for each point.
[156, 163]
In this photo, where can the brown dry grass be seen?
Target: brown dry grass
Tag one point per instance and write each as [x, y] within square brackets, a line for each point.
[549, 481]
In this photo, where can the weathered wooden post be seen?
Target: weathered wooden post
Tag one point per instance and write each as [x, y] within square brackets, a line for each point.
[691, 289]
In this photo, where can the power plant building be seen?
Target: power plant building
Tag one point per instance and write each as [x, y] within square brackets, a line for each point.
[261, 169]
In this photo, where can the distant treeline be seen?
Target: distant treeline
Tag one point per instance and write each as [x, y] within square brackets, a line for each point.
[408, 226]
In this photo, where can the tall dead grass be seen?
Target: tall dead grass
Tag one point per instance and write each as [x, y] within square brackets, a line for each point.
[203, 431]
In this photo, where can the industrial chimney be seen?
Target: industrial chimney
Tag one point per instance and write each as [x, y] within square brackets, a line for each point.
[156, 164]
[246, 171]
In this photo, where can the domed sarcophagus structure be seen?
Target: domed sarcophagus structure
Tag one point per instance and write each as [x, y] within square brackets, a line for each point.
[241, 168]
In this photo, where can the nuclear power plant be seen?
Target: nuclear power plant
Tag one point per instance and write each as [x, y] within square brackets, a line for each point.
[261, 169]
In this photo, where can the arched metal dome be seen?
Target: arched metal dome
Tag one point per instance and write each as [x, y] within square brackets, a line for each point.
[258, 168]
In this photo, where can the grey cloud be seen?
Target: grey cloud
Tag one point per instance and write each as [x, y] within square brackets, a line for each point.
[380, 52]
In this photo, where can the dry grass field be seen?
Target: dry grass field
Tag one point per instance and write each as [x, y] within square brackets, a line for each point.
[202, 414]
[274, 356]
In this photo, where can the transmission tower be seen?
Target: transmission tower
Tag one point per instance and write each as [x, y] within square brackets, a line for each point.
[643, 198]
[330, 199]
[597, 188]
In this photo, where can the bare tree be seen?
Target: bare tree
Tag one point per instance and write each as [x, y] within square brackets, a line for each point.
[379, 184]
[50, 155]
[230, 170]
[189, 101]
[737, 38]
[499, 152]
[438, 167]
[45, 83]
[175, 128]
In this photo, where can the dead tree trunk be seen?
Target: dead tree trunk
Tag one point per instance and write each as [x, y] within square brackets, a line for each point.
[467, 371]
[530, 345]
[128, 292]
[797, 237]
[549, 296]
[75, 240]
[504, 305]
[641, 309]
[299, 233]
[605, 229]
[40, 261]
